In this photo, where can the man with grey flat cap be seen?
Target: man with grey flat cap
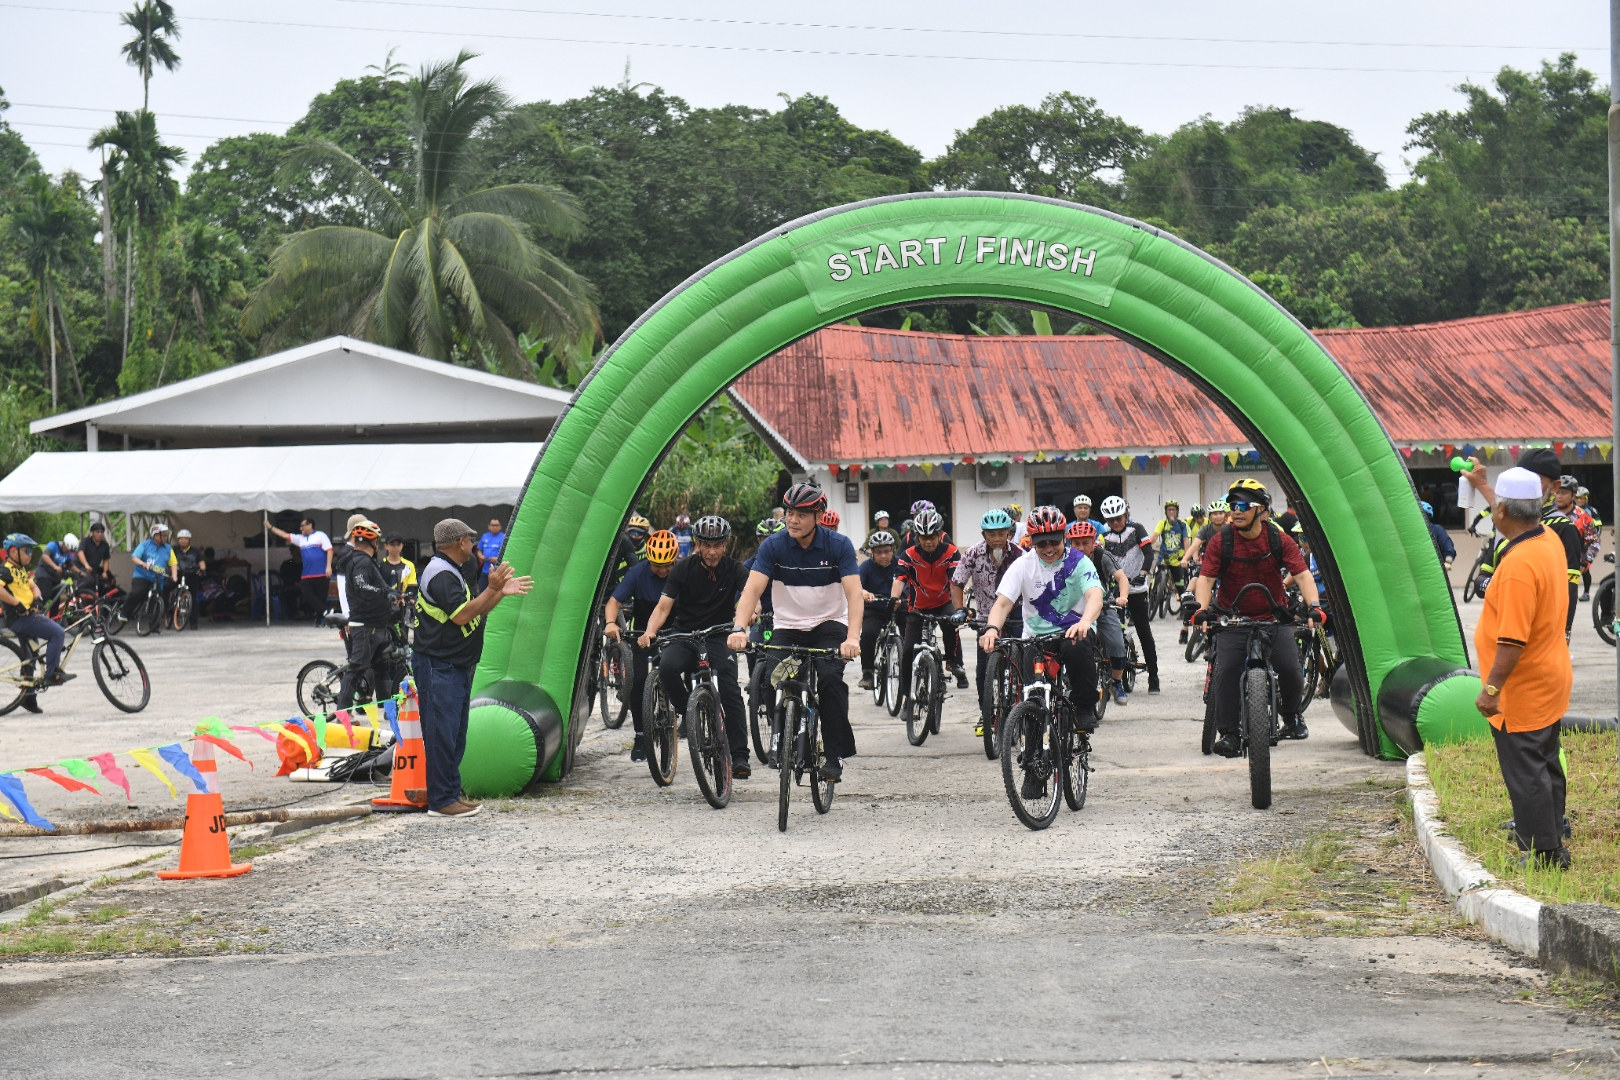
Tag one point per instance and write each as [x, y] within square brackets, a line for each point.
[1543, 463]
[449, 637]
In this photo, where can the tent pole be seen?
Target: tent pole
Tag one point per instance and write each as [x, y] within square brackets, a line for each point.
[267, 569]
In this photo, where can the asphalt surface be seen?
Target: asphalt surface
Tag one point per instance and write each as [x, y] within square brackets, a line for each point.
[605, 925]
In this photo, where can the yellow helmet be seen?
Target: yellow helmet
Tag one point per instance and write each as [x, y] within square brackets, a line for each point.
[639, 522]
[1250, 490]
[662, 548]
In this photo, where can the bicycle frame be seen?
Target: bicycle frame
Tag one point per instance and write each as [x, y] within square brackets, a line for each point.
[13, 673]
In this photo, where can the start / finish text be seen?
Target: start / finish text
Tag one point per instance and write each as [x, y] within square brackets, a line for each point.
[1006, 249]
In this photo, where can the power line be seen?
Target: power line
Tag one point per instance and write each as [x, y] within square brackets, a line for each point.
[948, 30]
[183, 116]
[779, 51]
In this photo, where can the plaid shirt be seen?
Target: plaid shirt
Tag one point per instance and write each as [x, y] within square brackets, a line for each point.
[978, 568]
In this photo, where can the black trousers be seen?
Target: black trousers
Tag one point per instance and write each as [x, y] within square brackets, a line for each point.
[680, 658]
[314, 592]
[640, 659]
[1142, 620]
[138, 589]
[1535, 783]
[837, 737]
[1014, 628]
[913, 634]
[872, 624]
[1227, 685]
[1079, 667]
[366, 645]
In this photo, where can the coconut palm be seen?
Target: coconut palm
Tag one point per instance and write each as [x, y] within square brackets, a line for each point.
[155, 27]
[51, 226]
[446, 270]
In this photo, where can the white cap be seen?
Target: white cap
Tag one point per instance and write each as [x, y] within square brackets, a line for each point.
[1517, 483]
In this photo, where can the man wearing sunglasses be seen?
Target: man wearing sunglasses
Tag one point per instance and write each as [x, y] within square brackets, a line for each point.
[1252, 549]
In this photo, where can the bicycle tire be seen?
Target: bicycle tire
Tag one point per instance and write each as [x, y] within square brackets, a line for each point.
[1470, 586]
[990, 707]
[120, 673]
[111, 616]
[924, 672]
[148, 615]
[1310, 667]
[1172, 602]
[1017, 746]
[1105, 687]
[1076, 769]
[788, 719]
[182, 610]
[761, 700]
[880, 674]
[1603, 609]
[821, 791]
[893, 692]
[1130, 664]
[1257, 729]
[319, 683]
[1196, 644]
[936, 708]
[616, 706]
[658, 718]
[707, 747]
[24, 659]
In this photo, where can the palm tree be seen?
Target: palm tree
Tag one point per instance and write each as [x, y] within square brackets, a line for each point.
[140, 179]
[448, 270]
[50, 226]
[155, 27]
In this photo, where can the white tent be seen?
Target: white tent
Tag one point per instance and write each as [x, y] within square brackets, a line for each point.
[385, 476]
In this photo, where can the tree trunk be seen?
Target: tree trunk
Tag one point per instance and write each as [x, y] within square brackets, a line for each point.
[50, 322]
[129, 285]
[174, 324]
[202, 327]
[109, 245]
[73, 361]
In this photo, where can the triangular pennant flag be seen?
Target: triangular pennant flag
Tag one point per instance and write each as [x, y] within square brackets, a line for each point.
[225, 745]
[5, 811]
[1164, 459]
[318, 723]
[1558, 448]
[1103, 461]
[391, 712]
[1232, 457]
[968, 460]
[1040, 456]
[1514, 451]
[927, 468]
[65, 781]
[348, 726]
[901, 467]
[109, 768]
[12, 789]
[213, 725]
[78, 767]
[1604, 448]
[947, 466]
[180, 762]
[1215, 459]
[255, 730]
[145, 760]
[1407, 451]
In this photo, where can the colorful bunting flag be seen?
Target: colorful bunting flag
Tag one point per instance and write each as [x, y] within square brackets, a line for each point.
[348, 726]
[948, 466]
[1406, 451]
[391, 712]
[12, 789]
[225, 745]
[180, 762]
[65, 781]
[145, 760]
[78, 767]
[109, 768]
[255, 730]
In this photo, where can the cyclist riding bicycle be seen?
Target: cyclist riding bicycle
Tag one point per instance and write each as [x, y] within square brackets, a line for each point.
[57, 559]
[1250, 548]
[982, 567]
[1059, 590]
[1195, 521]
[642, 588]
[701, 591]
[630, 548]
[1082, 536]
[1195, 553]
[926, 567]
[24, 615]
[756, 633]
[373, 608]
[683, 532]
[877, 587]
[1443, 547]
[1170, 537]
[1131, 546]
[1082, 508]
[154, 561]
[815, 592]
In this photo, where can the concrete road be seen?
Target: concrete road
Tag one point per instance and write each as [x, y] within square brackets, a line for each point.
[606, 925]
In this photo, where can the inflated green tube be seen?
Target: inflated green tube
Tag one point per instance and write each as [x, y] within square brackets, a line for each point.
[1335, 460]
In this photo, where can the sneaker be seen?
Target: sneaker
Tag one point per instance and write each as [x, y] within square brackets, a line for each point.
[961, 676]
[740, 769]
[832, 770]
[457, 809]
[1183, 636]
[1085, 721]
[1034, 787]
[1121, 695]
[31, 704]
[1228, 746]
[1153, 684]
[638, 751]
[1296, 731]
[978, 730]
[866, 680]
[1585, 596]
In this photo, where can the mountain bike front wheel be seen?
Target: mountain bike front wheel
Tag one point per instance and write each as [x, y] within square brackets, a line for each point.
[787, 733]
[924, 685]
[1258, 709]
[12, 694]
[182, 610]
[121, 675]
[1029, 765]
[1076, 769]
[821, 791]
[893, 692]
[658, 717]
[707, 747]
[761, 703]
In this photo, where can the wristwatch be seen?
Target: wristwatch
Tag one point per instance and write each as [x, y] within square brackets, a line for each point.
[1492, 690]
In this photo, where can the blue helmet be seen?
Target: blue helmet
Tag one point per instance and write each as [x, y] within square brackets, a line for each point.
[1428, 511]
[996, 519]
[20, 540]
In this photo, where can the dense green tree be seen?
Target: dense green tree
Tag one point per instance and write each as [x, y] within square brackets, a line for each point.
[51, 227]
[449, 271]
[152, 46]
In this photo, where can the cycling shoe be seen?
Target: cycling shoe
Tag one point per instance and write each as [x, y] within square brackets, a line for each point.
[1228, 746]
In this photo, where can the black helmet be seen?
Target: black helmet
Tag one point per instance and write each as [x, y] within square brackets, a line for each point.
[711, 527]
[803, 496]
[929, 523]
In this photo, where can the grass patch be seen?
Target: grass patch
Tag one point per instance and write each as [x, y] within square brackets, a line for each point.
[1474, 804]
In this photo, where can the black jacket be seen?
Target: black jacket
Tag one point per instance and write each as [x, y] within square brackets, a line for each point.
[364, 587]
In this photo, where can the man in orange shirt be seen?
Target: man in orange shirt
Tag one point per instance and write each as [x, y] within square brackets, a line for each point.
[1525, 658]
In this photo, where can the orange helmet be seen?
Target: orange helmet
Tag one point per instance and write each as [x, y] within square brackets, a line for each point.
[365, 530]
[1026, 543]
[662, 548]
[830, 518]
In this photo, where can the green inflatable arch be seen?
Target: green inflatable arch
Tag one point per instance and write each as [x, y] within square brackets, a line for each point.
[1405, 678]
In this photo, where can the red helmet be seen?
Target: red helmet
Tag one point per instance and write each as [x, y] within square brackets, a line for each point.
[1080, 530]
[1045, 519]
[830, 518]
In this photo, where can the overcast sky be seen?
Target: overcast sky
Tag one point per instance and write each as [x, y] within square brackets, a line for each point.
[919, 70]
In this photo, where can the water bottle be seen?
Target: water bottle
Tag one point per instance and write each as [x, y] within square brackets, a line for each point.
[1465, 490]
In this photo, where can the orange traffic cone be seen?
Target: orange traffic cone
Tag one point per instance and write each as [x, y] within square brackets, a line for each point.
[410, 763]
[205, 850]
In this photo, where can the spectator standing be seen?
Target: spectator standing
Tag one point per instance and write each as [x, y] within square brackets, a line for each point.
[489, 551]
[96, 554]
[396, 570]
[449, 637]
[1525, 656]
[154, 560]
[315, 548]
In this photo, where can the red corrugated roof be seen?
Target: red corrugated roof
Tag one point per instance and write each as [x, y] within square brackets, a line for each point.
[858, 394]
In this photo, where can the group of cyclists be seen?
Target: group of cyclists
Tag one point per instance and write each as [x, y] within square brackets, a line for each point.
[1027, 577]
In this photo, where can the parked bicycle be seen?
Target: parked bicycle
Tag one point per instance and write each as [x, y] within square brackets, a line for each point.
[118, 668]
[928, 668]
[1043, 751]
[706, 721]
[795, 750]
[320, 682]
[1474, 584]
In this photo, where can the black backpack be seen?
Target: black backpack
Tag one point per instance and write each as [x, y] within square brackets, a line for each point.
[1229, 541]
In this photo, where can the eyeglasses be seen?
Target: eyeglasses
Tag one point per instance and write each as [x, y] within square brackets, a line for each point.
[1049, 541]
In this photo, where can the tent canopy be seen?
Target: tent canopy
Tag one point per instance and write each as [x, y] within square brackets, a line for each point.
[375, 476]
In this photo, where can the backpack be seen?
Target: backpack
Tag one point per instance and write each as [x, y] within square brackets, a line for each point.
[1229, 541]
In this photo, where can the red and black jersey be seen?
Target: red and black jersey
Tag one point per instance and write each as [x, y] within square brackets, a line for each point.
[929, 575]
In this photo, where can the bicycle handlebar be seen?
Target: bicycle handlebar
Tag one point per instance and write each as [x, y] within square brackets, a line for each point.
[1228, 616]
[692, 635]
[801, 650]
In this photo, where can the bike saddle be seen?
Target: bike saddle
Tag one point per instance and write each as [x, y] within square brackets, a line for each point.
[337, 619]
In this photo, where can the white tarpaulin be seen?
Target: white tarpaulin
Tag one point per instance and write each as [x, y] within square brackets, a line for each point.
[403, 476]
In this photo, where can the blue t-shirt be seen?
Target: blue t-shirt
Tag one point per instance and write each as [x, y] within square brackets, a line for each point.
[765, 597]
[683, 544]
[641, 589]
[807, 583]
[58, 556]
[150, 551]
[878, 580]
[489, 549]
[313, 548]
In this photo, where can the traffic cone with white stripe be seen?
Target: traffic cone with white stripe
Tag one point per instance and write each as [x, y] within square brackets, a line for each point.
[410, 763]
[205, 850]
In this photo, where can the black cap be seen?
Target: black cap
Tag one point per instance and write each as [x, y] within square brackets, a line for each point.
[1541, 461]
[393, 538]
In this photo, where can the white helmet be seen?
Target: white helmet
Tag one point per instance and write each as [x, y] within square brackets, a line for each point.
[1113, 507]
[70, 542]
[183, 534]
[1082, 500]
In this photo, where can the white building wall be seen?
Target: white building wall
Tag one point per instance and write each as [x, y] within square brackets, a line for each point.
[972, 505]
[1146, 492]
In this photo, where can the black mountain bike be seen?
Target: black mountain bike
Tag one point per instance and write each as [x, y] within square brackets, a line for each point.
[615, 677]
[660, 725]
[706, 722]
[320, 682]
[1043, 751]
[761, 695]
[796, 751]
[1603, 605]
[1259, 728]
[1003, 690]
[886, 689]
[928, 668]
[1164, 596]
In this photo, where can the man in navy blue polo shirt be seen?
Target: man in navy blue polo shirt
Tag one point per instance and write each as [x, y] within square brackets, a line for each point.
[815, 585]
